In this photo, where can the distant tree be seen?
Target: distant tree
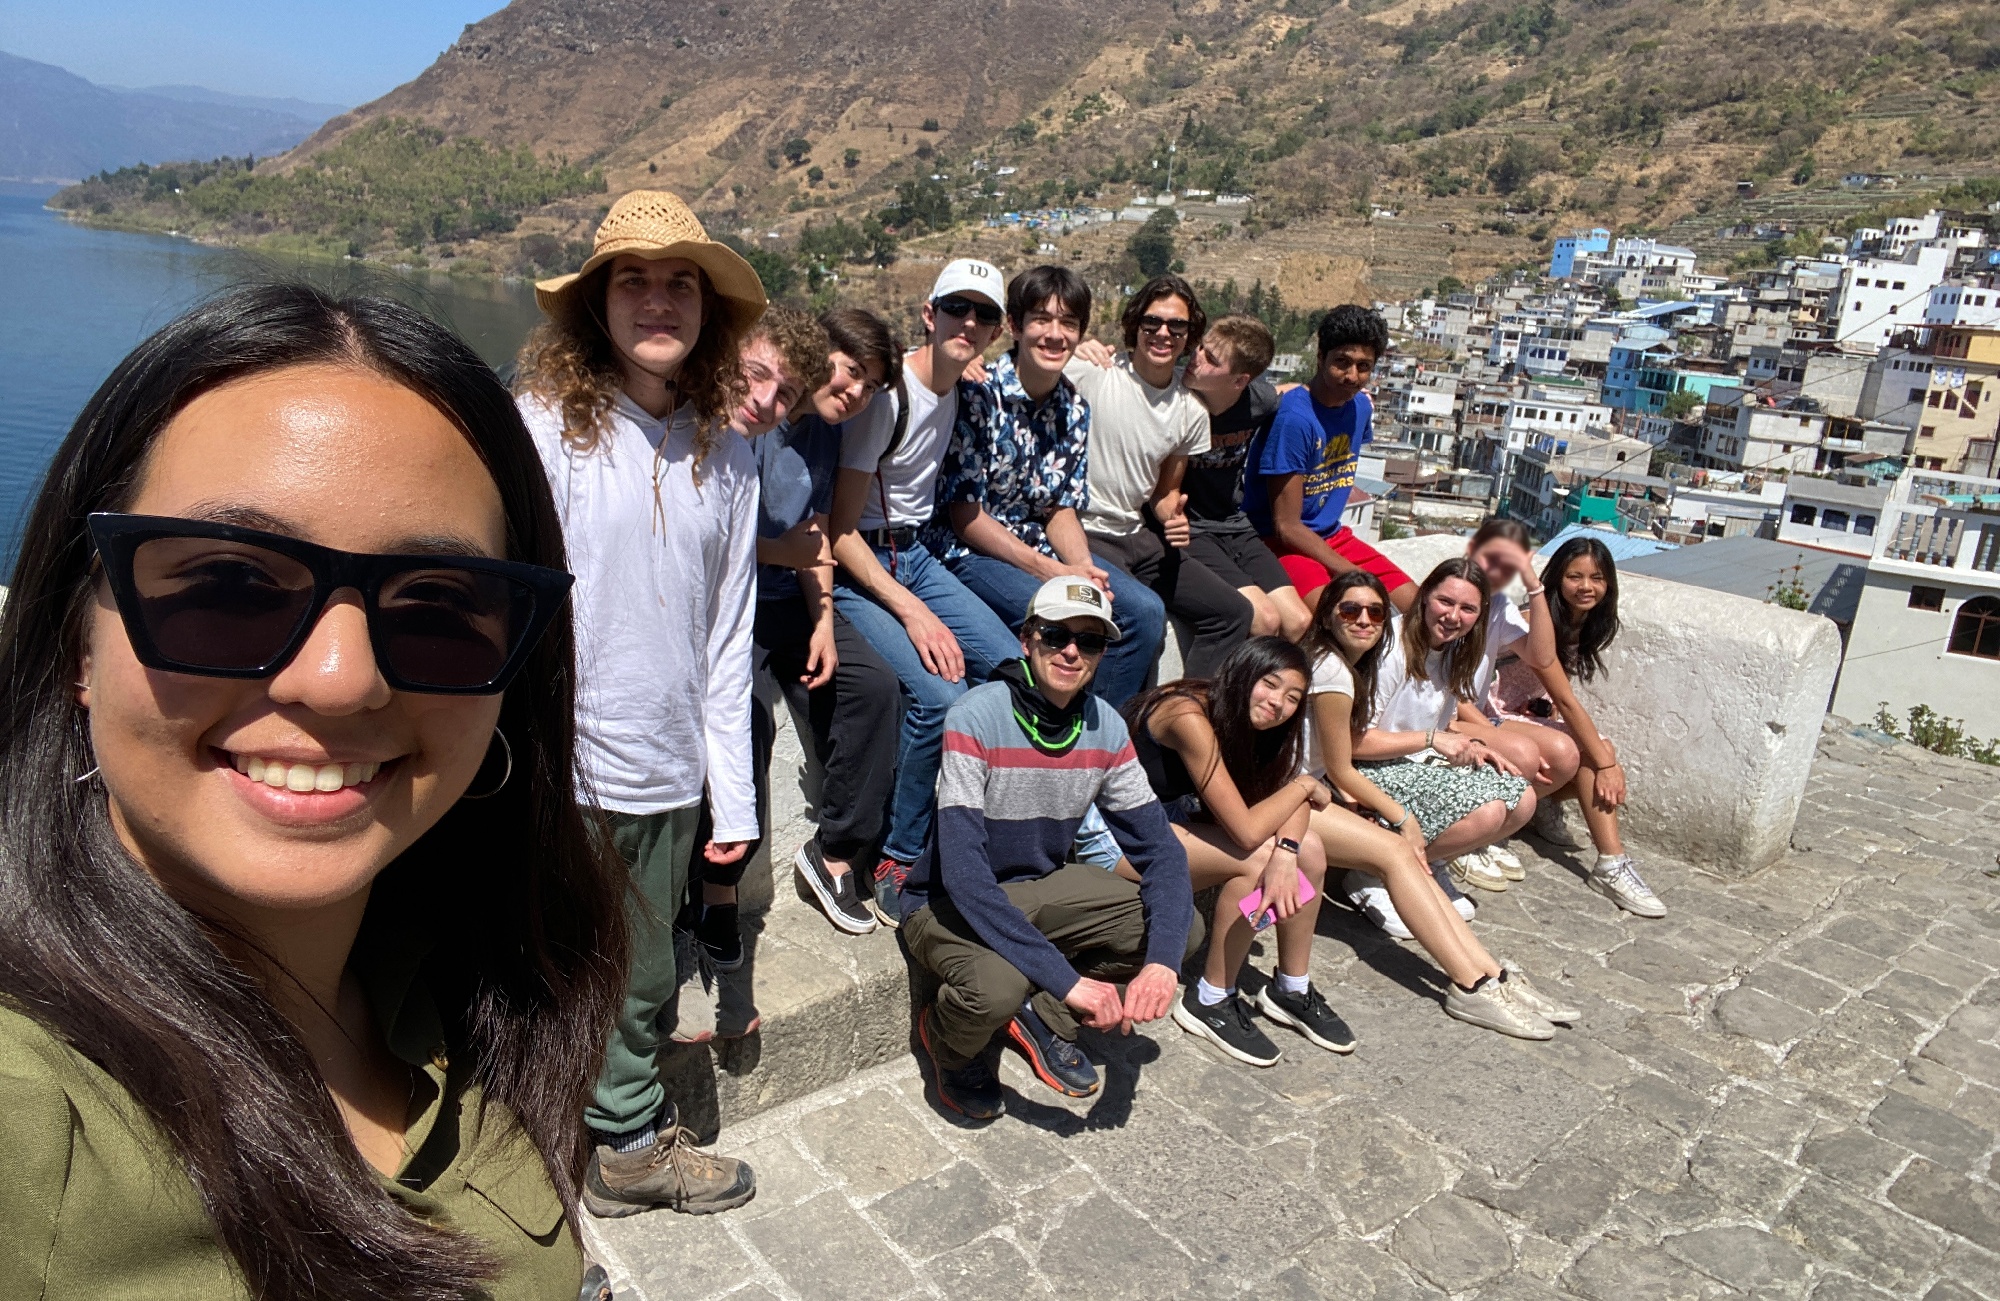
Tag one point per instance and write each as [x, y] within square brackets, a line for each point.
[930, 124]
[815, 174]
[1679, 406]
[797, 150]
[778, 272]
[666, 101]
[1153, 247]
[851, 159]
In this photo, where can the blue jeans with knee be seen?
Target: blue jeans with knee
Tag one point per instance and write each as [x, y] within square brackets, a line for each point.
[1141, 617]
[986, 644]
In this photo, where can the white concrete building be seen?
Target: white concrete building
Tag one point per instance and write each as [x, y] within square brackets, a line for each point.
[1927, 631]
[1743, 435]
[1880, 298]
[1831, 515]
[1955, 303]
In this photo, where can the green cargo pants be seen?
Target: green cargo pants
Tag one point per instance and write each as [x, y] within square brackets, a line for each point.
[1092, 916]
[657, 848]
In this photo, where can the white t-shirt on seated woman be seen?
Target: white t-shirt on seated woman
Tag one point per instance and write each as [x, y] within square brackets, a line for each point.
[1331, 677]
[1404, 703]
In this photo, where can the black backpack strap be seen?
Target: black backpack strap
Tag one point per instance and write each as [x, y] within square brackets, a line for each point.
[902, 423]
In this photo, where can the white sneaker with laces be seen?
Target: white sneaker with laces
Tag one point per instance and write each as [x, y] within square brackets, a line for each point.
[1620, 882]
[1371, 897]
[1525, 992]
[1551, 824]
[1506, 860]
[1477, 869]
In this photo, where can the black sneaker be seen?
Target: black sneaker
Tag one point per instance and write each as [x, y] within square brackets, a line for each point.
[1308, 1014]
[1228, 1026]
[720, 935]
[972, 1090]
[1056, 1061]
[887, 900]
[835, 895]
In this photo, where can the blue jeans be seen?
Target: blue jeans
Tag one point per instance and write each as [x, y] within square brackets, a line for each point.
[1141, 616]
[986, 644]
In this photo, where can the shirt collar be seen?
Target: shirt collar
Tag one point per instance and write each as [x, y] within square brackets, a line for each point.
[1006, 378]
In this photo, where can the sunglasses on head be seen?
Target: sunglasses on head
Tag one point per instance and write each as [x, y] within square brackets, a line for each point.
[958, 308]
[1154, 324]
[1356, 612]
[219, 601]
[1057, 637]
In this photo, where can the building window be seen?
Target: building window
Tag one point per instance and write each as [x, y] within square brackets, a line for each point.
[1927, 598]
[1802, 513]
[1976, 630]
[1916, 395]
[1865, 525]
[1833, 519]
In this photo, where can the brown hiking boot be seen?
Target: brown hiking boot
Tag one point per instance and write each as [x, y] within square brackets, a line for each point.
[672, 1172]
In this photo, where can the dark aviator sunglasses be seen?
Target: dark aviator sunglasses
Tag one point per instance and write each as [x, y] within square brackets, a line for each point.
[958, 308]
[220, 601]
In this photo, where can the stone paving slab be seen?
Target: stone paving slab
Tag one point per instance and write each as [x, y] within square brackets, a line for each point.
[1790, 1088]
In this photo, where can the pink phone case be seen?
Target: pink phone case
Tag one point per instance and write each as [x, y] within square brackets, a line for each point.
[1253, 905]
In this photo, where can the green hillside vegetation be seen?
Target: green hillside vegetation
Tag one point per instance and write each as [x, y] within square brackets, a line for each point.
[392, 184]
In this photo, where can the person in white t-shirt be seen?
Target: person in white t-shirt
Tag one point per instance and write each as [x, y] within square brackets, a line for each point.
[1526, 632]
[628, 391]
[1386, 843]
[1143, 428]
[935, 633]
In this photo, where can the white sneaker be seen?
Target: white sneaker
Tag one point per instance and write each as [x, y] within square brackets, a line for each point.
[1504, 859]
[1618, 881]
[1372, 898]
[1541, 1004]
[1551, 824]
[1494, 1007]
[1477, 869]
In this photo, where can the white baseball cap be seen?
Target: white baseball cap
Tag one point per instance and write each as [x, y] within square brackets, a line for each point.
[1068, 597]
[968, 275]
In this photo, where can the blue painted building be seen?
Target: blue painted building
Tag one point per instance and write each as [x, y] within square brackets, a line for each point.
[1562, 264]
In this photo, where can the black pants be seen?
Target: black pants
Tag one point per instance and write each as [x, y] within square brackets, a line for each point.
[855, 721]
[1218, 612]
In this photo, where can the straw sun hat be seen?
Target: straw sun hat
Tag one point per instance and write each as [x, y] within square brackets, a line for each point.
[654, 224]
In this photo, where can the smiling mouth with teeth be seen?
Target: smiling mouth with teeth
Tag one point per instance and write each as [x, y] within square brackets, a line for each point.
[303, 777]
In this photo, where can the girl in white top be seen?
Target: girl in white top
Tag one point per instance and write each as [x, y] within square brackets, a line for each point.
[1386, 842]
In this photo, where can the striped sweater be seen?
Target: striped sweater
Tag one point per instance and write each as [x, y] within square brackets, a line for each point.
[1009, 812]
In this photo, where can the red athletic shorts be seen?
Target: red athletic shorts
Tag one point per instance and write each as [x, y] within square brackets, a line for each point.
[1310, 575]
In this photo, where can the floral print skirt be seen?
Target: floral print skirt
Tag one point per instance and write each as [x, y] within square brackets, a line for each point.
[1438, 795]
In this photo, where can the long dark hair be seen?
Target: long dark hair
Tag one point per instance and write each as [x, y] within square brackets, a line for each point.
[1582, 640]
[522, 914]
[1322, 639]
[1259, 762]
[1461, 661]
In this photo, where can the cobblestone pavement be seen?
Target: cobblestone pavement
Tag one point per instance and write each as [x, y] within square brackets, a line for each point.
[1788, 1088]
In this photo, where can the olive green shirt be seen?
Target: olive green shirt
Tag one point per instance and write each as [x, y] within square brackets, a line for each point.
[95, 1203]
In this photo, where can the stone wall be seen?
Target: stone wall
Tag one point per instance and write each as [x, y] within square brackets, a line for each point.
[1714, 702]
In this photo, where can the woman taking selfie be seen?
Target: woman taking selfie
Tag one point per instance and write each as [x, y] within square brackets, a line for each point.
[284, 1011]
[1346, 646]
[1223, 756]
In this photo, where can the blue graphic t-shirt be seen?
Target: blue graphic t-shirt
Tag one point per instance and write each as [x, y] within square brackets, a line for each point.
[795, 466]
[1318, 442]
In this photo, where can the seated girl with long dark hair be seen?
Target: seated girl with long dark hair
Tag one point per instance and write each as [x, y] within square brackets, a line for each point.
[1582, 584]
[1223, 756]
[283, 1012]
[1346, 647]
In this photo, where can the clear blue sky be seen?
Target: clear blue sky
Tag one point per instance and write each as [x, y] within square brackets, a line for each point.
[329, 51]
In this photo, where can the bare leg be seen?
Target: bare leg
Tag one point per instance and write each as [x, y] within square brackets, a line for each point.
[1603, 822]
[1264, 620]
[1216, 860]
[1295, 933]
[1530, 748]
[1351, 842]
[1490, 822]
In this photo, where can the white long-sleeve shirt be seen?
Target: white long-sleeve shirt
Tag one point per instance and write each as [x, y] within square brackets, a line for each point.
[666, 589]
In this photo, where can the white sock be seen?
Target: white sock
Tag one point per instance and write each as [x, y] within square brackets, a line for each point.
[1292, 984]
[1208, 995]
[1605, 860]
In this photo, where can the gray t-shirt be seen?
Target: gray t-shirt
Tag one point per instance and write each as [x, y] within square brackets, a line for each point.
[1134, 428]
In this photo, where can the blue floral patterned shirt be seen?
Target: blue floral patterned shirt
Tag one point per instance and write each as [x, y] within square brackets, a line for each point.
[1020, 460]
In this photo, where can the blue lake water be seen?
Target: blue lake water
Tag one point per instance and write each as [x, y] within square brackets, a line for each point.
[74, 301]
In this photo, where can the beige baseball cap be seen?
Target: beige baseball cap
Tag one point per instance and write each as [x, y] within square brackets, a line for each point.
[1067, 597]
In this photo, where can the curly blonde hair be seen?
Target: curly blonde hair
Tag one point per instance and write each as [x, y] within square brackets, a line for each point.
[569, 361]
[801, 341]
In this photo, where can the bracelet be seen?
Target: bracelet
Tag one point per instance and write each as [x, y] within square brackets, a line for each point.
[1287, 844]
[1430, 739]
[1399, 823]
[1534, 592]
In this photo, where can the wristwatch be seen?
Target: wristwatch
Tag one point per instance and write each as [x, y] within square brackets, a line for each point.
[1288, 844]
